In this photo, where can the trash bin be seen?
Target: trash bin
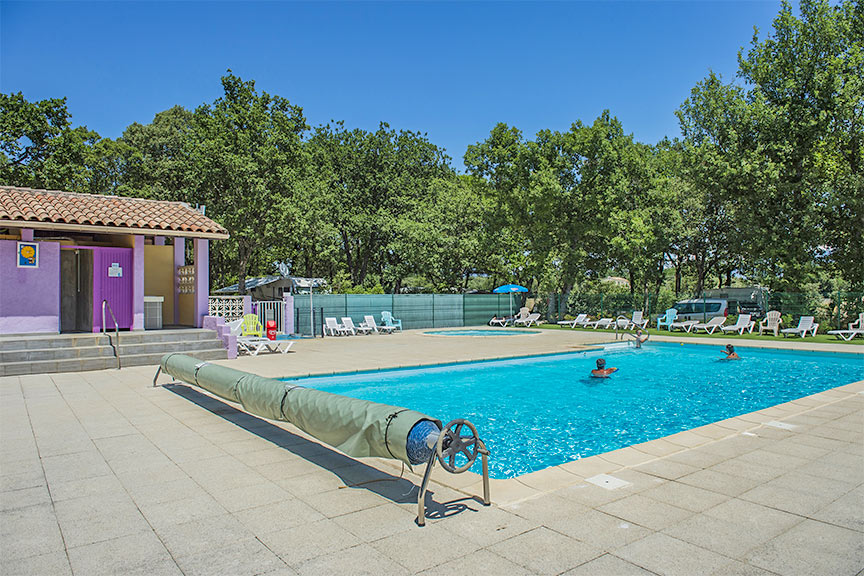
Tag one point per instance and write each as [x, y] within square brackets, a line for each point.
[153, 312]
[271, 329]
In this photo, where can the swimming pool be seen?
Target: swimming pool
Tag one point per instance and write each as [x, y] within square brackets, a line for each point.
[482, 332]
[541, 411]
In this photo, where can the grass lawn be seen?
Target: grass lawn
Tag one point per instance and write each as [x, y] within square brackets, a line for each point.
[822, 338]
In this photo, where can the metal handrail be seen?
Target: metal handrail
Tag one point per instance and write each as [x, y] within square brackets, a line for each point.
[115, 346]
[618, 325]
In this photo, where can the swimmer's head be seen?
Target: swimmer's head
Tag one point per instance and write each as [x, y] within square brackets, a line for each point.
[601, 364]
[730, 348]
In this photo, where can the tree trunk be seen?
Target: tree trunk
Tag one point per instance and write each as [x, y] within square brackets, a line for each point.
[677, 280]
[728, 278]
[243, 261]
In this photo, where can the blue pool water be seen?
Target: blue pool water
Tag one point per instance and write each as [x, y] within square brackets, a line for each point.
[542, 411]
[482, 332]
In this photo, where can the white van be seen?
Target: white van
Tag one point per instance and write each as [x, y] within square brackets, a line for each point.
[702, 309]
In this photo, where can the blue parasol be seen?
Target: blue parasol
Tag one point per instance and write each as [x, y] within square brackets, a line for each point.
[510, 289]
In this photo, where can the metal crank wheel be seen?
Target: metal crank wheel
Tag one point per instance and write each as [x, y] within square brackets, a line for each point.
[451, 443]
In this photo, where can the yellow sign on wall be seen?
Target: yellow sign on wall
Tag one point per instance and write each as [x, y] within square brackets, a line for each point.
[28, 255]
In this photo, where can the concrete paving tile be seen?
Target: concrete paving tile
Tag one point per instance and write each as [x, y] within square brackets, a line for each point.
[672, 557]
[278, 471]
[338, 502]
[628, 456]
[753, 518]
[479, 563]
[30, 531]
[736, 568]
[794, 501]
[485, 525]
[590, 495]
[29, 477]
[546, 507]
[794, 447]
[685, 496]
[645, 512]
[549, 479]
[658, 447]
[504, 491]
[103, 485]
[168, 491]
[12, 499]
[698, 458]
[222, 473]
[141, 553]
[591, 466]
[687, 439]
[772, 459]
[260, 457]
[273, 517]
[666, 468]
[149, 475]
[379, 522]
[543, 551]
[180, 511]
[198, 536]
[729, 538]
[598, 529]
[847, 511]
[422, 548]
[301, 543]
[609, 565]
[83, 530]
[54, 563]
[749, 470]
[812, 548]
[237, 499]
[719, 482]
[362, 560]
[243, 558]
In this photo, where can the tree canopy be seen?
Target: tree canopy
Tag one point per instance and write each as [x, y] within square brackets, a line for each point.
[764, 185]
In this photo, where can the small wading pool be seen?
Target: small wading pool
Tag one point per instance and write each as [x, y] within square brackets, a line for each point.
[481, 332]
[542, 411]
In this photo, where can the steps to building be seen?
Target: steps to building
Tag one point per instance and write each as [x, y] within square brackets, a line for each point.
[43, 354]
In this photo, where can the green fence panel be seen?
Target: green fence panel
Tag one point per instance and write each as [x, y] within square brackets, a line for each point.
[414, 310]
[447, 310]
[360, 305]
[478, 309]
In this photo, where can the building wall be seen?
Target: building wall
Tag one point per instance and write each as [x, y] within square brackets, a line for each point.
[159, 278]
[29, 298]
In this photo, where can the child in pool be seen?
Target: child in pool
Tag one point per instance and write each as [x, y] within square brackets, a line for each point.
[730, 353]
[602, 371]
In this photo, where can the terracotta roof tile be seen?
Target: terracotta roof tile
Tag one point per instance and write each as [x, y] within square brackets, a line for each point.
[52, 206]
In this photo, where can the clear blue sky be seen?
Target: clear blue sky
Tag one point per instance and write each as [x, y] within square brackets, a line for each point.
[452, 70]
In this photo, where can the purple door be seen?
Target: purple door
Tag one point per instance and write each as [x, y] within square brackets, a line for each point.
[112, 281]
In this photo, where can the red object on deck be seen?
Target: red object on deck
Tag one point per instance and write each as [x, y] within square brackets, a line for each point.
[271, 330]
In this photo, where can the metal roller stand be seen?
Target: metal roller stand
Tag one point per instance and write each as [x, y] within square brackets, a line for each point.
[450, 444]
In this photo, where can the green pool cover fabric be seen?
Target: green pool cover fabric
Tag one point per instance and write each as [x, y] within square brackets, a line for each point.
[358, 428]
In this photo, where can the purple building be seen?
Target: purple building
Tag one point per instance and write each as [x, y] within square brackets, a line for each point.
[62, 255]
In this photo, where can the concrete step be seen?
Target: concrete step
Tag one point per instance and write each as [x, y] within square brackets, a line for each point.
[45, 341]
[86, 364]
[53, 354]
[129, 349]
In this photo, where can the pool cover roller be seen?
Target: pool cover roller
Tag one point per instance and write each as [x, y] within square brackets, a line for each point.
[358, 428]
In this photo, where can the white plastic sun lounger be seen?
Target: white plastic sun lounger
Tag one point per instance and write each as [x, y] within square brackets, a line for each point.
[369, 322]
[846, 335]
[805, 325]
[710, 326]
[334, 328]
[580, 320]
[348, 324]
[601, 323]
[252, 345]
[637, 321]
[496, 321]
[531, 319]
[744, 323]
[684, 326]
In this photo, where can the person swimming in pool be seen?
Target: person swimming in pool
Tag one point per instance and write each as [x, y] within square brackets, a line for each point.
[730, 353]
[602, 371]
[639, 338]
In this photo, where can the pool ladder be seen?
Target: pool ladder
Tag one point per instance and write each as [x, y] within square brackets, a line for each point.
[620, 332]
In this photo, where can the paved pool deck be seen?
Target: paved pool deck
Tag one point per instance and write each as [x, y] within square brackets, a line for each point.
[101, 473]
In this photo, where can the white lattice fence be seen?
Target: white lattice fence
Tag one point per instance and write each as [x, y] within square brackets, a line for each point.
[228, 307]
